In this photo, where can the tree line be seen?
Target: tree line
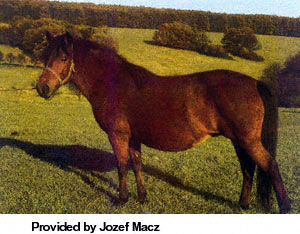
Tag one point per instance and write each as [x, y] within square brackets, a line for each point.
[11, 58]
[29, 35]
[145, 17]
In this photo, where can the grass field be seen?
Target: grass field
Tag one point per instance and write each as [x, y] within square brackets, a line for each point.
[55, 159]
[137, 46]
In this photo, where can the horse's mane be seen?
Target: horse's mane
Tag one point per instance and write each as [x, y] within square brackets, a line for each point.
[140, 75]
[89, 44]
[57, 43]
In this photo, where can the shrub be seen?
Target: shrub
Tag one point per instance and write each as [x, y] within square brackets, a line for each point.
[200, 40]
[10, 58]
[215, 51]
[33, 40]
[106, 40]
[1, 56]
[81, 31]
[248, 54]
[293, 63]
[21, 59]
[242, 42]
[289, 83]
[175, 35]
[285, 83]
[182, 36]
[100, 35]
[288, 90]
[270, 75]
[5, 33]
[29, 35]
[244, 37]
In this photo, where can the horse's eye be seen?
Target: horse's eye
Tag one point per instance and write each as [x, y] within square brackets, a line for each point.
[64, 59]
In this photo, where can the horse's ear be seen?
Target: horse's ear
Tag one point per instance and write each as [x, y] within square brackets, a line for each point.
[49, 36]
[68, 38]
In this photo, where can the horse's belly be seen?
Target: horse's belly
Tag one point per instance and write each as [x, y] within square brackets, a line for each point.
[172, 139]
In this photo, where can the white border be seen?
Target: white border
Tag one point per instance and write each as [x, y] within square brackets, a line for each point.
[173, 224]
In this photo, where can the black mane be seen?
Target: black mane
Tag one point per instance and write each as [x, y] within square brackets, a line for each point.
[56, 44]
[59, 43]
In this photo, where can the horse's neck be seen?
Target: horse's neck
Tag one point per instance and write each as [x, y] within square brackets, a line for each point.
[81, 85]
[89, 73]
[83, 77]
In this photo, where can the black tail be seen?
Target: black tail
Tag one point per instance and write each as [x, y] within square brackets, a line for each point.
[267, 88]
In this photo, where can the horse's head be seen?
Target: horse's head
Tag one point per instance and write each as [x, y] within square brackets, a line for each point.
[59, 64]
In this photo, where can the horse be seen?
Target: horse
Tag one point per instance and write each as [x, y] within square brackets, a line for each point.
[169, 113]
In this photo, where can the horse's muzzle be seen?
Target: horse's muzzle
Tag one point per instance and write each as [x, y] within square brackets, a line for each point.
[44, 90]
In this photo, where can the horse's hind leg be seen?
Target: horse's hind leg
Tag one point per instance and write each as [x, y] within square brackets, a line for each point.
[248, 167]
[268, 164]
[135, 154]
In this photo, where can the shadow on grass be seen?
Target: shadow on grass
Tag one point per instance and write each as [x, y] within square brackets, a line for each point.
[291, 111]
[151, 43]
[72, 157]
[174, 181]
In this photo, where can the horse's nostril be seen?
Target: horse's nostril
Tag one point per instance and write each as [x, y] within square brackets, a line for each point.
[45, 89]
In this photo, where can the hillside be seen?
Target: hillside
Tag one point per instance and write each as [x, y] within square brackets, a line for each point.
[136, 45]
[55, 159]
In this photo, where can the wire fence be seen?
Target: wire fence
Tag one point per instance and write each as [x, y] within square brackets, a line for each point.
[16, 89]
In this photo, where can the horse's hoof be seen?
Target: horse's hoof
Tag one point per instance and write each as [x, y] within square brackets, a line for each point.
[285, 209]
[142, 197]
[244, 206]
[123, 200]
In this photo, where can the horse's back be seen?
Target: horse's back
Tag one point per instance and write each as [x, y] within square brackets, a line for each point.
[176, 113]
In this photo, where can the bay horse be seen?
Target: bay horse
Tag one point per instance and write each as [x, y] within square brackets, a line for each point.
[134, 106]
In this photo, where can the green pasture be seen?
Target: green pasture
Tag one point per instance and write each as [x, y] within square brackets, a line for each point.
[5, 49]
[55, 159]
[137, 46]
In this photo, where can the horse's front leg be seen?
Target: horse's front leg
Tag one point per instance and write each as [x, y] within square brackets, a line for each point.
[119, 142]
[135, 154]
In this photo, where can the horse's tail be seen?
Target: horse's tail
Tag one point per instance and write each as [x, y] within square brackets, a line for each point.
[267, 88]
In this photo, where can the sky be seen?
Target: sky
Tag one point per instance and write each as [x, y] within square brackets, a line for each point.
[289, 8]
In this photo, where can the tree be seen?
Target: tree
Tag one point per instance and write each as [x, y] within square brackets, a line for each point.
[292, 64]
[10, 58]
[1, 56]
[34, 41]
[21, 59]
[5, 31]
[142, 17]
[288, 82]
[218, 22]
[201, 21]
[237, 38]
[242, 42]
[81, 31]
[181, 36]
[106, 40]
[29, 35]
[236, 21]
